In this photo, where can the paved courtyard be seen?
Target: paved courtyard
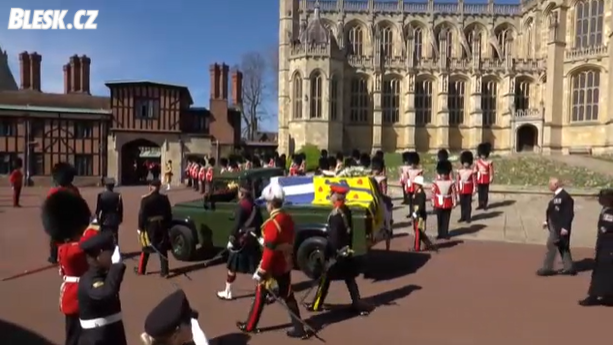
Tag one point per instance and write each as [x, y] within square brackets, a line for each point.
[473, 293]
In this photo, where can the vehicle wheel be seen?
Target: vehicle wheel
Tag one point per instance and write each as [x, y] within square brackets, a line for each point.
[183, 243]
[311, 256]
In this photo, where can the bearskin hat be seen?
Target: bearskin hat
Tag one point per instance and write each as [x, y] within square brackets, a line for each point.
[65, 215]
[605, 197]
[355, 154]
[379, 154]
[349, 162]
[212, 162]
[223, 162]
[444, 168]
[405, 157]
[63, 174]
[466, 157]
[332, 162]
[365, 160]
[18, 163]
[442, 155]
[377, 163]
[414, 158]
[340, 156]
[324, 153]
[275, 154]
[324, 163]
[484, 149]
[297, 158]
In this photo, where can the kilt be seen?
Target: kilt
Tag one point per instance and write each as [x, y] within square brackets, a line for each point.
[245, 260]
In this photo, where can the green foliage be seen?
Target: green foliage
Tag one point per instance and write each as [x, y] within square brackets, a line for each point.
[516, 171]
[312, 153]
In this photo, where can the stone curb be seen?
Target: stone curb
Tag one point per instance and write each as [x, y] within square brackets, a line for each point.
[507, 189]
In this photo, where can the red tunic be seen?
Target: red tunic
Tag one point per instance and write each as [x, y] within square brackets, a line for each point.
[293, 170]
[485, 171]
[443, 194]
[271, 163]
[466, 181]
[209, 174]
[16, 178]
[73, 264]
[278, 233]
[411, 174]
[201, 174]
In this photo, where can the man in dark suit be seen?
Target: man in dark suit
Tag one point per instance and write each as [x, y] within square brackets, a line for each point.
[558, 221]
[154, 220]
[109, 209]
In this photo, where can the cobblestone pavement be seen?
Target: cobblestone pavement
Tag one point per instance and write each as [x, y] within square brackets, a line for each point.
[471, 293]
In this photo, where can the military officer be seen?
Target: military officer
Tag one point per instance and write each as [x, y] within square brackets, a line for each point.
[109, 209]
[275, 269]
[154, 218]
[224, 165]
[100, 307]
[411, 172]
[600, 291]
[168, 174]
[466, 186]
[485, 174]
[341, 263]
[194, 174]
[173, 322]
[187, 172]
[444, 198]
[207, 183]
[419, 215]
[244, 249]
[558, 220]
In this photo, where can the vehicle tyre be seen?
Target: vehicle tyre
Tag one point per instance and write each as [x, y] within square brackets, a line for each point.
[183, 243]
[310, 256]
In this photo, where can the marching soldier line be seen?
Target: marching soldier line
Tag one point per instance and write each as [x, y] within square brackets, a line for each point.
[85, 246]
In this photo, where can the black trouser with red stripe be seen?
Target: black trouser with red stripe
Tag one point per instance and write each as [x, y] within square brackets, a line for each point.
[410, 203]
[285, 293]
[420, 235]
[144, 259]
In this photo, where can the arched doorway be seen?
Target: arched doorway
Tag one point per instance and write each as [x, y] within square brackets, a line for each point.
[527, 138]
[140, 161]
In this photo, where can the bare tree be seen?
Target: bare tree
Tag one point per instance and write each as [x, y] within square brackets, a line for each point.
[255, 91]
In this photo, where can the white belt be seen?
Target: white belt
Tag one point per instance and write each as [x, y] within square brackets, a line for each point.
[69, 279]
[441, 197]
[100, 322]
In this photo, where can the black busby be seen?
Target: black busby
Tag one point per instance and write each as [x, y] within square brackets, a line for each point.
[256, 162]
[297, 158]
[324, 163]
[65, 215]
[484, 150]
[349, 162]
[332, 162]
[466, 157]
[376, 163]
[405, 157]
[444, 167]
[605, 197]
[414, 158]
[324, 153]
[282, 158]
[18, 163]
[365, 160]
[442, 155]
[63, 174]
[379, 154]
[211, 161]
[224, 162]
[355, 154]
[275, 155]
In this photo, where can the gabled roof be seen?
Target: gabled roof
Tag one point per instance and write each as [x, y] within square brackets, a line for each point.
[183, 88]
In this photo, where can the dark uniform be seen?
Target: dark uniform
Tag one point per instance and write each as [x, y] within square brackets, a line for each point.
[324, 162]
[154, 220]
[420, 215]
[109, 209]
[99, 304]
[559, 215]
[63, 175]
[341, 264]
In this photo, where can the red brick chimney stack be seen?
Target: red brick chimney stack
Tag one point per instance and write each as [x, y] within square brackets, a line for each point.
[223, 91]
[67, 79]
[25, 71]
[85, 76]
[237, 87]
[75, 73]
[215, 71]
[35, 62]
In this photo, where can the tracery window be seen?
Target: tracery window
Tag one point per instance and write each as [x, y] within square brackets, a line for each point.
[297, 97]
[387, 41]
[489, 95]
[391, 101]
[522, 95]
[334, 85]
[360, 100]
[585, 96]
[316, 96]
[355, 38]
[589, 22]
[423, 102]
[455, 102]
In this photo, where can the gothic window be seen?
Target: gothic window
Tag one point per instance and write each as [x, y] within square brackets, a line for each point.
[418, 42]
[360, 100]
[489, 93]
[387, 41]
[423, 102]
[502, 36]
[316, 95]
[522, 94]
[455, 102]
[589, 16]
[529, 39]
[470, 37]
[334, 98]
[391, 101]
[355, 38]
[297, 98]
[585, 96]
[446, 34]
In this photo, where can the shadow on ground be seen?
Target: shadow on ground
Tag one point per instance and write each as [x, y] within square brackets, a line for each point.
[213, 259]
[487, 215]
[231, 339]
[382, 265]
[340, 313]
[466, 230]
[585, 265]
[12, 334]
[503, 203]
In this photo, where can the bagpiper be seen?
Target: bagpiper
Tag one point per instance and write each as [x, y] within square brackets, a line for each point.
[66, 219]
[443, 197]
[466, 186]
[485, 174]
[63, 175]
[412, 172]
[403, 172]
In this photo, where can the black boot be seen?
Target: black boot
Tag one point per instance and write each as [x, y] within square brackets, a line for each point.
[299, 334]
[546, 272]
[242, 326]
[311, 307]
[590, 301]
[361, 308]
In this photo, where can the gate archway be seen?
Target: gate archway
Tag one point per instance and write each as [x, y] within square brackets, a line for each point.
[140, 161]
[527, 138]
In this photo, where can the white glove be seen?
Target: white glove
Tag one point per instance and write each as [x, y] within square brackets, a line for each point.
[116, 258]
[414, 215]
[229, 246]
[261, 241]
[198, 335]
[138, 231]
[257, 277]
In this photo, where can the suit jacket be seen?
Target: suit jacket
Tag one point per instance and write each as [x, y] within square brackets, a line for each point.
[560, 213]
[109, 208]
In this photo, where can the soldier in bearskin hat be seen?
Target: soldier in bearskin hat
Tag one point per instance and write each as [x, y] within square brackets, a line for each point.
[16, 180]
[223, 163]
[355, 154]
[256, 162]
[485, 174]
[66, 219]
[413, 170]
[294, 169]
[324, 163]
[442, 155]
[281, 161]
[365, 160]
[466, 186]
[403, 172]
[443, 197]
[378, 170]
[338, 163]
[243, 243]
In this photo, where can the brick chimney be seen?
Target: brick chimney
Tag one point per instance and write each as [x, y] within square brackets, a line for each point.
[67, 79]
[223, 91]
[25, 71]
[75, 73]
[237, 87]
[35, 62]
[215, 71]
[85, 68]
